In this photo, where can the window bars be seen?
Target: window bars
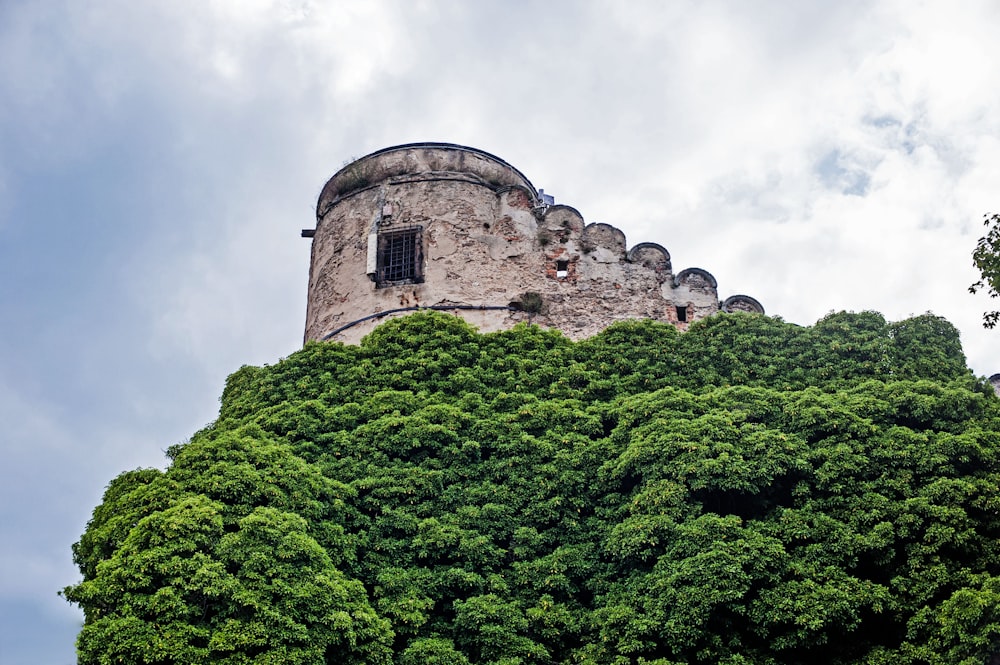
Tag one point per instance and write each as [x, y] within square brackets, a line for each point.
[400, 257]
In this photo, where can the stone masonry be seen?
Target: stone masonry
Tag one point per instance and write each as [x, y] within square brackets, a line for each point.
[435, 225]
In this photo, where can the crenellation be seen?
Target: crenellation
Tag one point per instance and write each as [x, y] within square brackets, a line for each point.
[455, 228]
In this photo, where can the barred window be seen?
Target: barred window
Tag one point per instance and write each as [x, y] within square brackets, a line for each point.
[400, 257]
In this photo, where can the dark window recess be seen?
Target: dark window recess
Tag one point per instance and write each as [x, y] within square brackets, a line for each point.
[400, 257]
[682, 313]
[562, 268]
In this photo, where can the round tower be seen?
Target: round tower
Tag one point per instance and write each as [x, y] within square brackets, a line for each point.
[443, 226]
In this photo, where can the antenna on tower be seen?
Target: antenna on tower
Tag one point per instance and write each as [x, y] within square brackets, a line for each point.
[544, 201]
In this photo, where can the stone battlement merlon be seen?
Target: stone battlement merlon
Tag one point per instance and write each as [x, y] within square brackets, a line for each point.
[442, 226]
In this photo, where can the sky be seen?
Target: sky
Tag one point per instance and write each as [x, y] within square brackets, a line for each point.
[158, 160]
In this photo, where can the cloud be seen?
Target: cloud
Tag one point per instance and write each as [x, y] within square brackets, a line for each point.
[157, 161]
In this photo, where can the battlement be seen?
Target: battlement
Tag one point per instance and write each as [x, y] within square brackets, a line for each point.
[442, 226]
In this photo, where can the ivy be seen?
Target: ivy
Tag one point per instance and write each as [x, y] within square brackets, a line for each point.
[750, 491]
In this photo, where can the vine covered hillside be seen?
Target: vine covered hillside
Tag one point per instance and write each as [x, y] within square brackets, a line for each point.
[748, 492]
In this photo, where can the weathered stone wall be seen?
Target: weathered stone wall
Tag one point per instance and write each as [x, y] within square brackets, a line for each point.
[486, 241]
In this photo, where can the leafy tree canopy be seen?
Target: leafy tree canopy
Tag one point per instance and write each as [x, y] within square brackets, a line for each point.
[986, 256]
[748, 492]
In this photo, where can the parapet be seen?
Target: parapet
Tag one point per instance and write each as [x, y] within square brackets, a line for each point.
[742, 303]
[420, 160]
[447, 227]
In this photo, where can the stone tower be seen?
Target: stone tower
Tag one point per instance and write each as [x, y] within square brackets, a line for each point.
[442, 226]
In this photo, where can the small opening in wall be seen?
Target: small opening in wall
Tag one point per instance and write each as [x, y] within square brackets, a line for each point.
[562, 269]
[486, 226]
[400, 257]
[682, 313]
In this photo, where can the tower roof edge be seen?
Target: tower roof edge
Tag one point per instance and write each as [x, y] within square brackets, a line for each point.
[417, 158]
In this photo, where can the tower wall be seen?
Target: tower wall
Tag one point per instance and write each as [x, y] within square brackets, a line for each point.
[458, 229]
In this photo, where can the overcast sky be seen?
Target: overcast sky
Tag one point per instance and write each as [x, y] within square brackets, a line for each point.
[158, 160]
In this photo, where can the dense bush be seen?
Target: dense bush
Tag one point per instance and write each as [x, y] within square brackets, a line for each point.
[747, 492]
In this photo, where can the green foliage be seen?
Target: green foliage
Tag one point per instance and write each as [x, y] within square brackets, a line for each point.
[747, 492]
[986, 257]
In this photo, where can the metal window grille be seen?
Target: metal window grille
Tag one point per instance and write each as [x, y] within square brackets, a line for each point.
[400, 257]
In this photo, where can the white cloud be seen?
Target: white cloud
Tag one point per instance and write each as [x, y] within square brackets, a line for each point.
[815, 155]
